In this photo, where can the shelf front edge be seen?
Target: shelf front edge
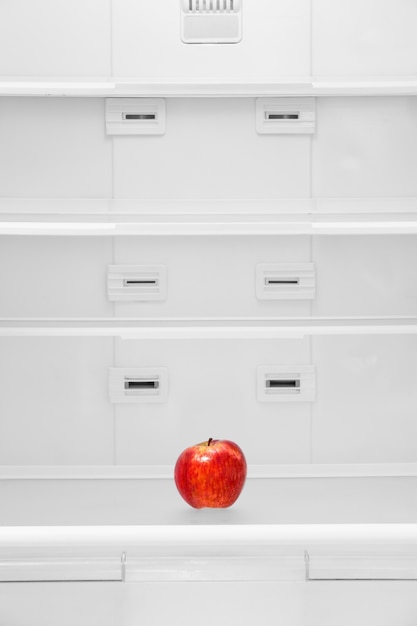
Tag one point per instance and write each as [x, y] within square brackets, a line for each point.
[165, 472]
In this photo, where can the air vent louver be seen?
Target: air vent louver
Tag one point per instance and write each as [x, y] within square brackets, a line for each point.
[211, 21]
[211, 6]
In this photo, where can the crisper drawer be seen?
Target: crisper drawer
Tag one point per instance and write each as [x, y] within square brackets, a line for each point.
[208, 276]
[65, 397]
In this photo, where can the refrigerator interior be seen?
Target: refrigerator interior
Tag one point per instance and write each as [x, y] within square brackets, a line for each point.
[210, 216]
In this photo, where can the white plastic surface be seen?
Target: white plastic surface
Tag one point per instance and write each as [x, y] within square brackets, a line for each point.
[279, 31]
[285, 281]
[135, 502]
[127, 604]
[227, 553]
[132, 283]
[305, 86]
[365, 148]
[374, 425]
[235, 328]
[54, 148]
[55, 38]
[364, 38]
[52, 403]
[377, 374]
[137, 49]
[212, 151]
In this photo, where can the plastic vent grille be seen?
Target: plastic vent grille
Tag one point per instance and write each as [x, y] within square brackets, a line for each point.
[211, 21]
[211, 6]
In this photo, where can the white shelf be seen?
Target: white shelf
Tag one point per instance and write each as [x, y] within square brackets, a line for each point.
[297, 494]
[167, 87]
[184, 539]
[374, 86]
[219, 328]
[49, 86]
[222, 226]
[328, 216]
[81, 528]
[166, 472]
[209, 552]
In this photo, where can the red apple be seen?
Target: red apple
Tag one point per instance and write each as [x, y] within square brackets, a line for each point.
[211, 474]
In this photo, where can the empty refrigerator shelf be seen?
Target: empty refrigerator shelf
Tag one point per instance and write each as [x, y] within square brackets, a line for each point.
[310, 471]
[192, 328]
[209, 553]
[209, 225]
[183, 87]
[218, 217]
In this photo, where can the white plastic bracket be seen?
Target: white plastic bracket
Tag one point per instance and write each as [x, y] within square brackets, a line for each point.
[286, 383]
[132, 283]
[285, 116]
[211, 21]
[135, 116]
[138, 385]
[285, 281]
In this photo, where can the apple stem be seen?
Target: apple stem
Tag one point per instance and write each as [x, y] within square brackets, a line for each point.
[209, 441]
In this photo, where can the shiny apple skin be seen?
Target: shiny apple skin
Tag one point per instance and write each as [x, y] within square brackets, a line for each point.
[211, 474]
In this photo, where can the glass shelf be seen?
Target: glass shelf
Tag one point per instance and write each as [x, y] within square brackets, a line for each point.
[210, 328]
[310, 471]
[141, 530]
[208, 569]
[320, 216]
[302, 553]
[180, 87]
